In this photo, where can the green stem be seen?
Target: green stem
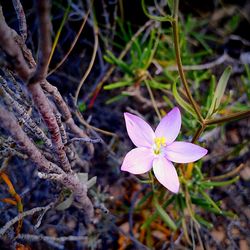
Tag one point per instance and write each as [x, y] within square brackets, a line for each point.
[228, 174]
[198, 132]
[153, 99]
[151, 177]
[238, 115]
[65, 16]
[179, 62]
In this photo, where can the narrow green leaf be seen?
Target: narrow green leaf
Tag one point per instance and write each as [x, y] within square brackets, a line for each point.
[165, 217]
[200, 202]
[203, 222]
[157, 18]
[111, 58]
[209, 184]
[158, 85]
[115, 99]
[155, 215]
[83, 177]
[66, 203]
[82, 106]
[144, 199]
[65, 16]
[209, 200]
[219, 92]
[229, 214]
[210, 92]
[182, 102]
[117, 85]
[108, 59]
[91, 182]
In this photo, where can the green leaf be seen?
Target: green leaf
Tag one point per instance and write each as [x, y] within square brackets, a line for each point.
[66, 203]
[158, 85]
[82, 106]
[157, 18]
[200, 202]
[209, 184]
[210, 92]
[155, 215]
[91, 182]
[83, 177]
[144, 199]
[209, 200]
[203, 222]
[115, 99]
[182, 102]
[219, 92]
[149, 51]
[117, 85]
[65, 16]
[111, 58]
[165, 217]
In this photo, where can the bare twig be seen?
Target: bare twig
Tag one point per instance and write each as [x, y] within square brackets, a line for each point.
[25, 117]
[9, 122]
[89, 140]
[20, 216]
[24, 64]
[21, 18]
[49, 118]
[61, 128]
[10, 47]
[31, 237]
[43, 11]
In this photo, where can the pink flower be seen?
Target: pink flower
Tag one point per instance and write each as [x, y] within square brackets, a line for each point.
[157, 149]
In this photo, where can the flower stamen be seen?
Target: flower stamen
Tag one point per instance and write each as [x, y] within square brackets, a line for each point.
[159, 143]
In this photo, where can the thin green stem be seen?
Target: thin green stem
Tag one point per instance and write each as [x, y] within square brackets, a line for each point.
[73, 43]
[228, 174]
[151, 177]
[65, 16]
[96, 43]
[153, 99]
[228, 118]
[179, 62]
[189, 206]
[198, 133]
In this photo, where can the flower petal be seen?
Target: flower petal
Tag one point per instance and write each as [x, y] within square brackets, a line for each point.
[184, 152]
[140, 133]
[169, 126]
[138, 161]
[166, 174]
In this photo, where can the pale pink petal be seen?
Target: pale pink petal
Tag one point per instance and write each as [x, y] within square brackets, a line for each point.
[184, 152]
[169, 126]
[138, 161]
[166, 174]
[140, 133]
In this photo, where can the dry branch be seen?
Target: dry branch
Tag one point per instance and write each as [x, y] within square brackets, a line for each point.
[43, 12]
[23, 64]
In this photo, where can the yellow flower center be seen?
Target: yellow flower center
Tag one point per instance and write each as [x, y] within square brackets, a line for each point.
[159, 143]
